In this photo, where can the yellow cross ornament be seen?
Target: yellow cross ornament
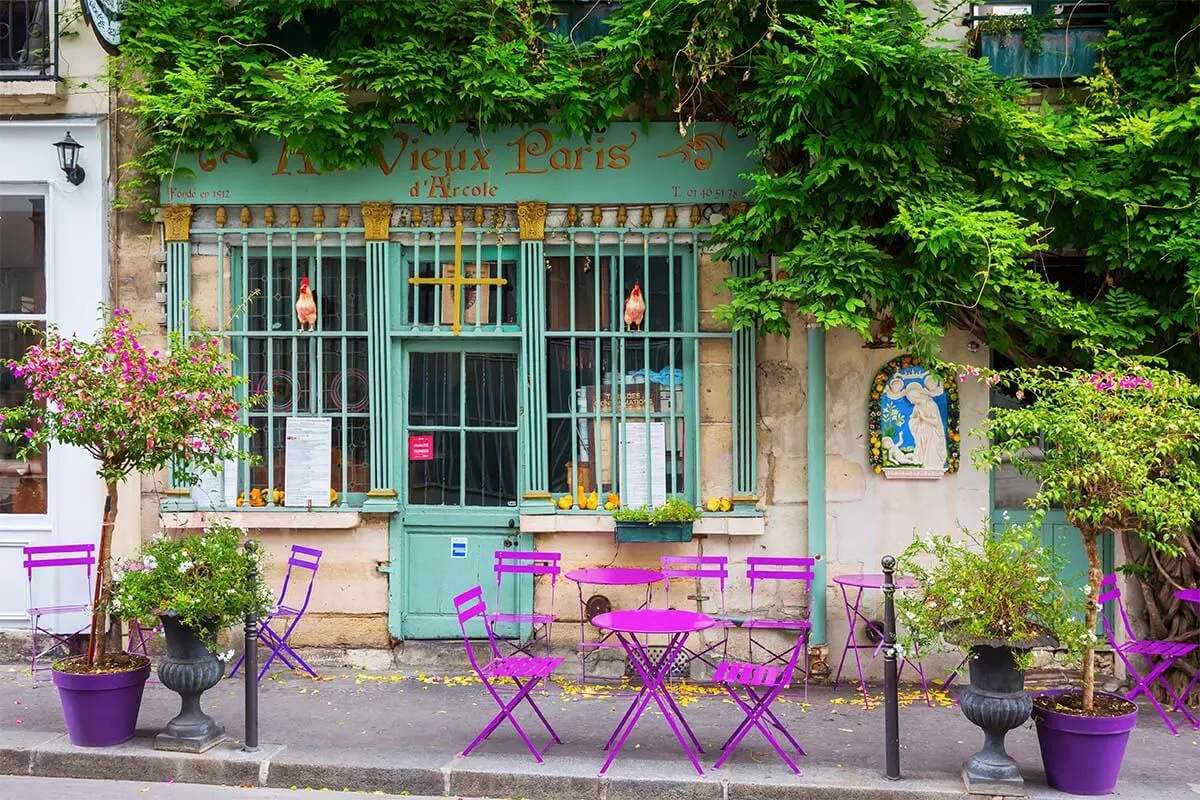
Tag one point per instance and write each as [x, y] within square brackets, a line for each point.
[459, 280]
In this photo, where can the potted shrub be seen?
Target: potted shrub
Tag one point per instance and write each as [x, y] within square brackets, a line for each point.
[994, 594]
[1121, 455]
[669, 522]
[198, 586]
[134, 410]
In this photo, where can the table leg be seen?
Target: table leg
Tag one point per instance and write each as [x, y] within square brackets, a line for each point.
[644, 666]
[654, 688]
[852, 614]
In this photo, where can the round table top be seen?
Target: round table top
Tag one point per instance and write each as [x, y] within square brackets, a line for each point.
[614, 576]
[653, 620]
[874, 580]
[1190, 595]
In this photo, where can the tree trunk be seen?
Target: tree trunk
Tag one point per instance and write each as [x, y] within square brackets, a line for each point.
[1095, 575]
[96, 642]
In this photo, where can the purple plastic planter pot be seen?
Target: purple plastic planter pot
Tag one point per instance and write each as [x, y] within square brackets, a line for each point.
[1083, 755]
[101, 710]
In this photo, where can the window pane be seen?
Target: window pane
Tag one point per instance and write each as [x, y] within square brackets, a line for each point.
[342, 303]
[491, 391]
[491, 469]
[592, 289]
[436, 482]
[22, 254]
[433, 389]
[22, 483]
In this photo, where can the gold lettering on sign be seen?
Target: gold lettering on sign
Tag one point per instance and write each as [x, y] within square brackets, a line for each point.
[286, 154]
[536, 154]
[386, 166]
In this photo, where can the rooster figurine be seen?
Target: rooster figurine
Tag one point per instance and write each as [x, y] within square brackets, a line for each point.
[635, 307]
[306, 307]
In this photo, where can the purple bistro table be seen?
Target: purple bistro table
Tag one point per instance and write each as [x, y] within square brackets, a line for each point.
[1188, 596]
[627, 626]
[606, 576]
[862, 582]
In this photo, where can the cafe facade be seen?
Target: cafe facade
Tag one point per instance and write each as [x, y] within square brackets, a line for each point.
[481, 339]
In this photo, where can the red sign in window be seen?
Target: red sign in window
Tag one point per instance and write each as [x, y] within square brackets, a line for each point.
[420, 447]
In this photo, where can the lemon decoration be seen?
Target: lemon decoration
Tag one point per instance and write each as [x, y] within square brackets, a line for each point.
[712, 504]
[593, 501]
[565, 502]
[726, 504]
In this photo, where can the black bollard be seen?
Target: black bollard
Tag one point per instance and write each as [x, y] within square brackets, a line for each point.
[251, 667]
[891, 699]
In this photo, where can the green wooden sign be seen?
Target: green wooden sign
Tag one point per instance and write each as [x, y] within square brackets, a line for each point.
[627, 163]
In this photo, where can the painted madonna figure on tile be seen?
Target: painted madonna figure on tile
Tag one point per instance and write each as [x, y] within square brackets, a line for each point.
[914, 421]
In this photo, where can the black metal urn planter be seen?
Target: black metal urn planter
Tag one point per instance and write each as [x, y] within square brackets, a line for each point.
[997, 702]
[189, 669]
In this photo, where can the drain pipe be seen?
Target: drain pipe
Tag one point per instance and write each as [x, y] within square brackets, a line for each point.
[816, 480]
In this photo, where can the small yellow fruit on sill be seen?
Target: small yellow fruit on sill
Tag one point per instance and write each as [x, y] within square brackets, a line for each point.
[565, 502]
[726, 504]
[712, 504]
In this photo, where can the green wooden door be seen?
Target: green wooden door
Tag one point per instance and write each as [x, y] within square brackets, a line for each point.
[457, 408]
[1009, 492]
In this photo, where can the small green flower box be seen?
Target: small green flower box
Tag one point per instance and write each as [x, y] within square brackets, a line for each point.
[660, 532]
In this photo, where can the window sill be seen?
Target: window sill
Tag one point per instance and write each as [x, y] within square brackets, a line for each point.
[30, 92]
[708, 525]
[265, 519]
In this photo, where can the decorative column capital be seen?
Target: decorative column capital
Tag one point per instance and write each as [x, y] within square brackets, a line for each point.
[531, 220]
[177, 223]
[377, 218]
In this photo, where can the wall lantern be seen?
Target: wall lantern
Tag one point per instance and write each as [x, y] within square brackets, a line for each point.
[68, 159]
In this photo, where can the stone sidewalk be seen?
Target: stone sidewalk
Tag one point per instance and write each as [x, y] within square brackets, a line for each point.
[401, 732]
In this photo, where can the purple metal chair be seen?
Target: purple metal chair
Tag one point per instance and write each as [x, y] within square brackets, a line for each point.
[518, 562]
[60, 557]
[529, 669]
[304, 561]
[1159, 655]
[762, 684]
[767, 568]
[701, 568]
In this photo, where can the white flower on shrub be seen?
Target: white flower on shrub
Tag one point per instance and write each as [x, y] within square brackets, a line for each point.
[225, 656]
[150, 562]
[184, 566]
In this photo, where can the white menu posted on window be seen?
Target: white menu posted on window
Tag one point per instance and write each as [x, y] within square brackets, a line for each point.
[645, 472]
[308, 455]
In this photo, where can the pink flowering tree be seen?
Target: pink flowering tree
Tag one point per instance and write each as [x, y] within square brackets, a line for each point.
[1118, 449]
[133, 409]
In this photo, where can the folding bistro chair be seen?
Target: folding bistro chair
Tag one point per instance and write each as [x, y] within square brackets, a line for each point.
[762, 684]
[517, 562]
[529, 669]
[699, 568]
[304, 561]
[767, 568]
[61, 557]
[1158, 655]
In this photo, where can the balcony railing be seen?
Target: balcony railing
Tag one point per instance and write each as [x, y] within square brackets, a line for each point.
[1038, 40]
[28, 40]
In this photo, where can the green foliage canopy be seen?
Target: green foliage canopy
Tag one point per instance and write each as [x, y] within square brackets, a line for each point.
[898, 178]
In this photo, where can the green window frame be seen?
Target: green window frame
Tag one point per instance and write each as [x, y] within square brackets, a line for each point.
[611, 389]
[323, 372]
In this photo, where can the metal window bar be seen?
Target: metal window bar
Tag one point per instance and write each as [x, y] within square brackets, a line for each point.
[28, 40]
[323, 372]
[607, 341]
